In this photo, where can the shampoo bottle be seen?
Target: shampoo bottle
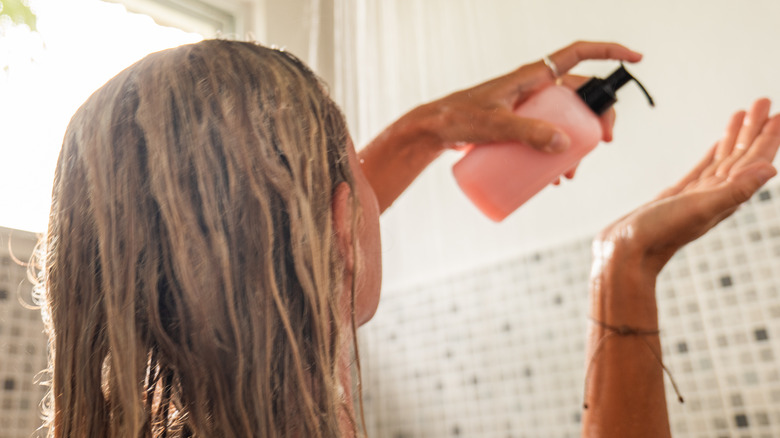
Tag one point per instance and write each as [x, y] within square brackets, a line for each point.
[500, 177]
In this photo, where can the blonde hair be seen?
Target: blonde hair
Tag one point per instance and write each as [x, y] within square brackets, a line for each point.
[191, 274]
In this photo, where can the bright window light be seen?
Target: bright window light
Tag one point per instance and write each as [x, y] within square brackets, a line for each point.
[46, 75]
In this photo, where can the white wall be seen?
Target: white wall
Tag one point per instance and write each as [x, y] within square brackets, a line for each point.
[703, 60]
[302, 27]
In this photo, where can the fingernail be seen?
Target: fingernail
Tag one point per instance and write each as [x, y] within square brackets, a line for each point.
[558, 143]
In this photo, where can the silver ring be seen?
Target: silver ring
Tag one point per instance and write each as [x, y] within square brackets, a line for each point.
[552, 66]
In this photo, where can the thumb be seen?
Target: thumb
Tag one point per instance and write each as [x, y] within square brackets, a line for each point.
[747, 182]
[538, 134]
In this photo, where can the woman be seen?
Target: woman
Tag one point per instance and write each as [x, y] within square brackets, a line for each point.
[195, 284]
[214, 241]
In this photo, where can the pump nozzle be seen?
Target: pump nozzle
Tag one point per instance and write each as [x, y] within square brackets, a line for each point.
[599, 94]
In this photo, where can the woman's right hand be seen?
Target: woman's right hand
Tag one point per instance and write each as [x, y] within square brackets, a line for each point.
[477, 115]
[485, 113]
[730, 173]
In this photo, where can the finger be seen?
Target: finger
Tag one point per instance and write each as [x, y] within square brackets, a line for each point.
[709, 207]
[534, 76]
[764, 147]
[751, 126]
[573, 81]
[724, 146]
[570, 173]
[754, 123]
[696, 174]
[607, 121]
[719, 201]
[745, 183]
[565, 59]
[506, 126]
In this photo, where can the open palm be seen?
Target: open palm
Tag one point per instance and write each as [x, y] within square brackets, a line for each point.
[729, 174]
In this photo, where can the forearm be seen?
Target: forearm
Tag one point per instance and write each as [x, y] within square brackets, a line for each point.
[401, 152]
[625, 386]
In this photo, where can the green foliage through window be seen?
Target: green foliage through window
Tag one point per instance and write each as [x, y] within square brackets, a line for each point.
[18, 11]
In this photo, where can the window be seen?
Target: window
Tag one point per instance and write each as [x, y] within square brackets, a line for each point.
[207, 18]
[48, 74]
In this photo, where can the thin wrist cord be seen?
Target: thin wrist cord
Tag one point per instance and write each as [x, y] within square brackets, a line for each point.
[625, 330]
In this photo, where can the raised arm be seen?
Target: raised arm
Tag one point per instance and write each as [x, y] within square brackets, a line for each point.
[481, 114]
[625, 387]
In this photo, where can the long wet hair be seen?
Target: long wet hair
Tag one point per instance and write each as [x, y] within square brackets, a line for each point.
[191, 280]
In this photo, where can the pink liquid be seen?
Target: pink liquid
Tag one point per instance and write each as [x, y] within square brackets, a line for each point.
[500, 177]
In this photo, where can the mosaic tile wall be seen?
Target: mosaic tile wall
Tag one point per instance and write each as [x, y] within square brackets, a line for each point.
[22, 342]
[499, 351]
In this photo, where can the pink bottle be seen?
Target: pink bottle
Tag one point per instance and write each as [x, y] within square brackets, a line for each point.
[500, 177]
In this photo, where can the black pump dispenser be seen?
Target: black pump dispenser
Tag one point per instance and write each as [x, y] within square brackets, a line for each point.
[599, 94]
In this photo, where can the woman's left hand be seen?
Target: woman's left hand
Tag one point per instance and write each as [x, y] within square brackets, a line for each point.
[730, 173]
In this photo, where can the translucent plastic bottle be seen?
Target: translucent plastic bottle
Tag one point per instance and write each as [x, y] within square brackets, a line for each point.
[498, 178]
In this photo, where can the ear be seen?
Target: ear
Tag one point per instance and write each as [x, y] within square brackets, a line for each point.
[341, 209]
